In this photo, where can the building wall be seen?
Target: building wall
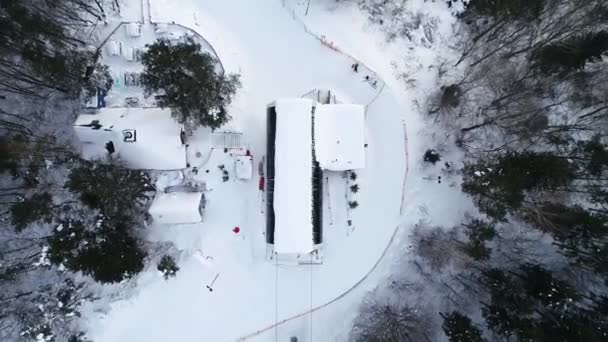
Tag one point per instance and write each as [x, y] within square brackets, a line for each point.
[271, 127]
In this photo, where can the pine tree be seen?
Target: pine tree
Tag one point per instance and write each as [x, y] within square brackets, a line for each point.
[539, 283]
[110, 188]
[514, 9]
[39, 46]
[592, 156]
[450, 96]
[501, 185]
[531, 304]
[573, 325]
[189, 81]
[99, 79]
[573, 54]
[509, 308]
[29, 210]
[459, 328]
[104, 249]
[168, 266]
[580, 234]
[431, 156]
[478, 232]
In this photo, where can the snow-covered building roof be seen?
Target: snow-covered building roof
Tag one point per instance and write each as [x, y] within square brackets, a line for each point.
[144, 138]
[293, 167]
[340, 136]
[177, 208]
[305, 137]
[290, 174]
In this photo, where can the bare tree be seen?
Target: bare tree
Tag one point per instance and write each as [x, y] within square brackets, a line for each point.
[391, 321]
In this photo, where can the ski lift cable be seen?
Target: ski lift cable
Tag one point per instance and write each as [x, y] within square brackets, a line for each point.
[311, 297]
[276, 299]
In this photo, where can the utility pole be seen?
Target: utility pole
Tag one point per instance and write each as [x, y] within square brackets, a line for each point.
[209, 287]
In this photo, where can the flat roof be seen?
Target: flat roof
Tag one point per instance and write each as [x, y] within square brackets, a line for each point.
[157, 144]
[176, 208]
[340, 136]
[293, 164]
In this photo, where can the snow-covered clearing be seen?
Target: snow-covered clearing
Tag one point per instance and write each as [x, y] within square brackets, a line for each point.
[277, 57]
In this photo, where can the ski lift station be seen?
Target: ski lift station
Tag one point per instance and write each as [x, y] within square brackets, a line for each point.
[304, 138]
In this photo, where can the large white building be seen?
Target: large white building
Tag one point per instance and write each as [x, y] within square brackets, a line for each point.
[143, 138]
[304, 138]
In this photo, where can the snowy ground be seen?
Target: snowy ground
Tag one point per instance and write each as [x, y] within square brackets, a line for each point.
[277, 58]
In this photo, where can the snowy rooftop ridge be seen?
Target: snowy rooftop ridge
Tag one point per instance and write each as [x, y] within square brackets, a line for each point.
[293, 164]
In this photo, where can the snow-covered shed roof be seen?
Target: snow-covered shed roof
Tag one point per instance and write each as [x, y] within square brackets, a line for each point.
[340, 136]
[113, 48]
[243, 167]
[293, 164]
[155, 137]
[133, 29]
[177, 208]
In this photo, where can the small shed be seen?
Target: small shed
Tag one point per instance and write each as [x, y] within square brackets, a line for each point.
[244, 167]
[133, 30]
[129, 54]
[178, 208]
[114, 48]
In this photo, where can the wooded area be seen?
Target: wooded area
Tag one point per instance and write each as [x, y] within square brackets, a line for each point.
[60, 213]
[527, 103]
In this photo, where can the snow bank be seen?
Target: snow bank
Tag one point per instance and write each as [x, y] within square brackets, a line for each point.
[293, 177]
[340, 136]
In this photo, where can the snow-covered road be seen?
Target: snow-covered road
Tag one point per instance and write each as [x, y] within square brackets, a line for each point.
[276, 58]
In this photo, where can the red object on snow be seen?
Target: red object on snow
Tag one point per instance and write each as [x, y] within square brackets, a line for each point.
[262, 183]
[236, 230]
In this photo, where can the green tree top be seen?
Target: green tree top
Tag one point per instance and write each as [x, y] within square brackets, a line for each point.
[459, 328]
[189, 81]
[501, 184]
[572, 54]
[515, 9]
[105, 249]
[109, 188]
